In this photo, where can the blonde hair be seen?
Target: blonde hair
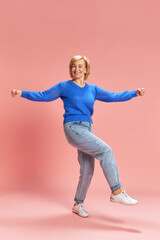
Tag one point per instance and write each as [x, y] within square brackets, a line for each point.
[86, 60]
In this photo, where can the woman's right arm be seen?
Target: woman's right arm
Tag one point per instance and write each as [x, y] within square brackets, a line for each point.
[46, 96]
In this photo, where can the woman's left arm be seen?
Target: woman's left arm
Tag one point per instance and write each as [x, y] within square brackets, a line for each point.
[107, 96]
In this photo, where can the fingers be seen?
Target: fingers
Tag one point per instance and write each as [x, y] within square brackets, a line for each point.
[15, 92]
[140, 91]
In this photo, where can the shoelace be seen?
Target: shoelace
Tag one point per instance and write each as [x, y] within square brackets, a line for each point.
[81, 207]
[124, 193]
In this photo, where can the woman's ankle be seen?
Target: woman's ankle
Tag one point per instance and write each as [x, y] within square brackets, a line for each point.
[117, 191]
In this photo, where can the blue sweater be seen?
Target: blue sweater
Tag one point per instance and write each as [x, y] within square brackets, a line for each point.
[78, 102]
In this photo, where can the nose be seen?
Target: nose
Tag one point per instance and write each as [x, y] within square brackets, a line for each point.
[76, 68]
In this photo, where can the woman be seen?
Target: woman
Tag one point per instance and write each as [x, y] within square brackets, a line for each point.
[79, 98]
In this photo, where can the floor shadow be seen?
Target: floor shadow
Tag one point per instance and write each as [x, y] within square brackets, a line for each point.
[59, 220]
[67, 221]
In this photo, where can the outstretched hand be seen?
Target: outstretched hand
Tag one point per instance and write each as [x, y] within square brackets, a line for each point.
[140, 91]
[15, 93]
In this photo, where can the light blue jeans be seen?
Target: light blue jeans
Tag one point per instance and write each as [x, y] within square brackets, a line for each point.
[80, 135]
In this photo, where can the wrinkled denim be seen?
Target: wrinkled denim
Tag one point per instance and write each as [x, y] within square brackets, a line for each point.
[80, 135]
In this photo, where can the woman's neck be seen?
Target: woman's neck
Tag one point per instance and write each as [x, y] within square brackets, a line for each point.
[79, 82]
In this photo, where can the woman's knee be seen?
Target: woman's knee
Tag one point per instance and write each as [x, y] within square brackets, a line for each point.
[106, 153]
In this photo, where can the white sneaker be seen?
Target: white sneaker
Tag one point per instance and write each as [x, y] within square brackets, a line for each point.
[123, 198]
[78, 209]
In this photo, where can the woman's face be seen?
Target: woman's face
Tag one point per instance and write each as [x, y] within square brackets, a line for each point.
[78, 70]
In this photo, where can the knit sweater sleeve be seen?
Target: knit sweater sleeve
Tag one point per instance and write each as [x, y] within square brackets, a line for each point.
[46, 96]
[106, 96]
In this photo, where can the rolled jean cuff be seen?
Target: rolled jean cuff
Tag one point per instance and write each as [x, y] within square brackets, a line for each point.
[116, 187]
[79, 201]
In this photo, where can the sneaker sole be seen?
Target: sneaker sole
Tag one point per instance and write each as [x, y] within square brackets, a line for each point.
[131, 204]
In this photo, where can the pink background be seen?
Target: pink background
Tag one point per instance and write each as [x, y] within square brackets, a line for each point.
[37, 39]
